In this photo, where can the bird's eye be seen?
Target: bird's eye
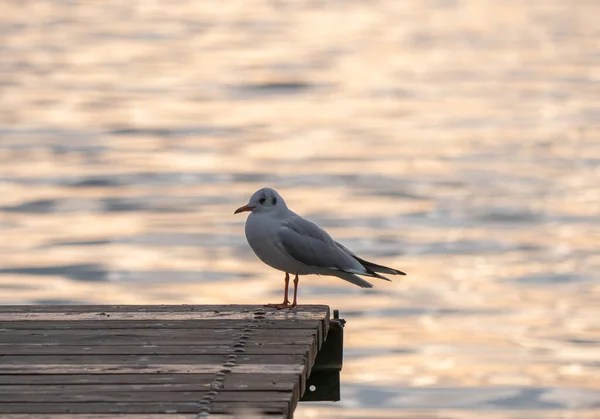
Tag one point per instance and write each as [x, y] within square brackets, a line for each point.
[262, 200]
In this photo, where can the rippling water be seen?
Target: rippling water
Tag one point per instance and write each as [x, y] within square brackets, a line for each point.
[456, 140]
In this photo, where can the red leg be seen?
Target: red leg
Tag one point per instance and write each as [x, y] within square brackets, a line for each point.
[286, 302]
[285, 290]
[296, 280]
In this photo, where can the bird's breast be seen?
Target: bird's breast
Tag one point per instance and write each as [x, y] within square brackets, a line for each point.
[260, 231]
[263, 237]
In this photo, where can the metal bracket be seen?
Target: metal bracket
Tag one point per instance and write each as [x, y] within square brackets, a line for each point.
[324, 381]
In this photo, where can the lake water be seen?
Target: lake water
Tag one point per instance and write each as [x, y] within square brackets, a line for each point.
[457, 140]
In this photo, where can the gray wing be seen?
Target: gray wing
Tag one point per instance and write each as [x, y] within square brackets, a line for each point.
[310, 245]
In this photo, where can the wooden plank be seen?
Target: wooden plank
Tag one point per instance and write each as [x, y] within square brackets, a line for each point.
[54, 389]
[126, 315]
[90, 394]
[254, 415]
[165, 313]
[149, 336]
[149, 359]
[298, 347]
[108, 320]
[173, 325]
[126, 416]
[321, 310]
[308, 350]
[150, 369]
[158, 324]
[135, 382]
[281, 408]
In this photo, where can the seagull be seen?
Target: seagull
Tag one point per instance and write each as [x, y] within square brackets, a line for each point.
[287, 242]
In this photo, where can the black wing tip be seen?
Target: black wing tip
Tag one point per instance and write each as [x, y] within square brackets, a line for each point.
[372, 267]
[393, 272]
[376, 275]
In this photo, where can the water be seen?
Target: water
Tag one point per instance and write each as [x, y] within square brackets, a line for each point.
[458, 141]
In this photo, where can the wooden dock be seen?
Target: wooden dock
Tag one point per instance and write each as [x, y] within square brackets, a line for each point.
[167, 362]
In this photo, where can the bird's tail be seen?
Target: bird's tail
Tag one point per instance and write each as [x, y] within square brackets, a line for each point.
[378, 268]
[370, 266]
[354, 279]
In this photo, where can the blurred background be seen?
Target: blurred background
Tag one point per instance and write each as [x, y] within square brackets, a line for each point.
[457, 140]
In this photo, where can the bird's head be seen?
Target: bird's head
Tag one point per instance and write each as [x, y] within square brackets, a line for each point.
[263, 200]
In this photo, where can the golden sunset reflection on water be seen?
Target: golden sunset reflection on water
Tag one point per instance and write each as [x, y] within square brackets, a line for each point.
[458, 141]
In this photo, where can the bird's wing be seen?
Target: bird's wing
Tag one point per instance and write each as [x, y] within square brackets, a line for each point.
[312, 246]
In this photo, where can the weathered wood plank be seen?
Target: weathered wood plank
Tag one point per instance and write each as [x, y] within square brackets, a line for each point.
[300, 346]
[150, 369]
[139, 382]
[308, 349]
[110, 317]
[158, 324]
[241, 326]
[140, 360]
[112, 416]
[166, 315]
[149, 336]
[321, 310]
[281, 408]
[90, 395]
[158, 341]
[254, 415]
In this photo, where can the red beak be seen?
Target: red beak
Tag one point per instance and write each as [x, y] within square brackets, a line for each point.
[242, 209]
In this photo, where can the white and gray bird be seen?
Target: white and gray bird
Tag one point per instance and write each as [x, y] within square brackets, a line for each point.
[285, 241]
